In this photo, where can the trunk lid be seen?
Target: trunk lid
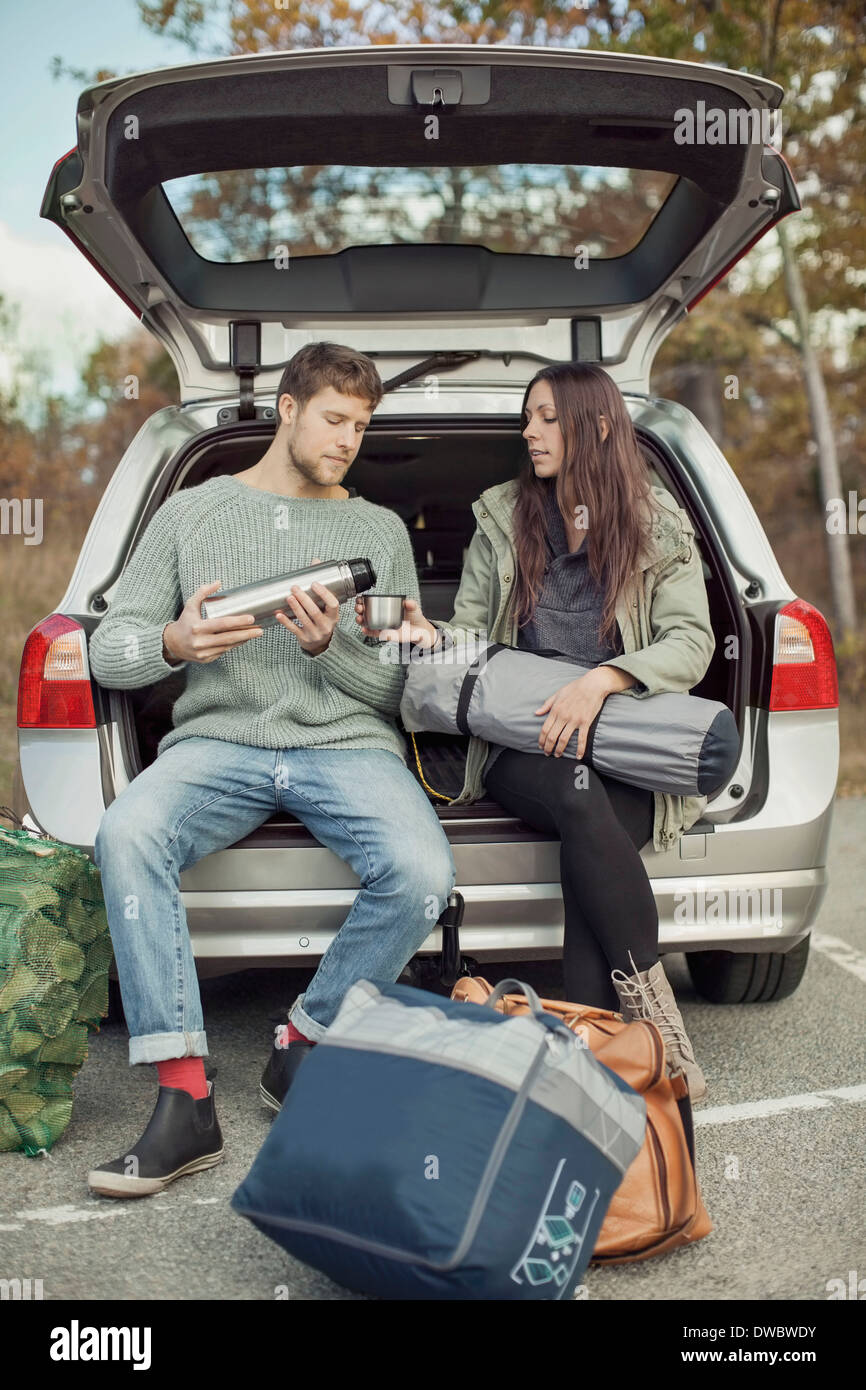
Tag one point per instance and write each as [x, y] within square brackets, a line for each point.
[566, 204]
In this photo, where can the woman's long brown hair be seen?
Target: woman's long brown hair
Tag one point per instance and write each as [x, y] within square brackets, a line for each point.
[609, 477]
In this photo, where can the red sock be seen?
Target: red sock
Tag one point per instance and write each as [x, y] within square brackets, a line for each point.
[289, 1034]
[184, 1074]
[295, 1034]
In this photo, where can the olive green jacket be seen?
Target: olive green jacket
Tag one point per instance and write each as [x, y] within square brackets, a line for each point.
[667, 638]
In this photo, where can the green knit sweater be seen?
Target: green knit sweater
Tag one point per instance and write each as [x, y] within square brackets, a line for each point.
[267, 692]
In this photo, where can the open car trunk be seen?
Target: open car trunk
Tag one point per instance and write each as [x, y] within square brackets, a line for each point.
[443, 468]
[451, 186]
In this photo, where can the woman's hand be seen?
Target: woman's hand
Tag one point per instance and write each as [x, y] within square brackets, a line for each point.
[414, 628]
[573, 706]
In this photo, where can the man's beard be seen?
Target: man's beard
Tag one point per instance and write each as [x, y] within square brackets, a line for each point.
[309, 470]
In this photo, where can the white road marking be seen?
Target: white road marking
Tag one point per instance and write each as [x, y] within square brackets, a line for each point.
[69, 1212]
[106, 1209]
[779, 1105]
[841, 953]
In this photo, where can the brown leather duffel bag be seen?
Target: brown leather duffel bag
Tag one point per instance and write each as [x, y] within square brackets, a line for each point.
[658, 1205]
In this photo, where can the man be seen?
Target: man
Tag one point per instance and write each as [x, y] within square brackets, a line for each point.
[298, 718]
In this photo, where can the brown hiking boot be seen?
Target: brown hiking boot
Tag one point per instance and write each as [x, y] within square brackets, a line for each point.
[647, 994]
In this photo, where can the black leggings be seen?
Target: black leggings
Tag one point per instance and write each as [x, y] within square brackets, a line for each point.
[609, 904]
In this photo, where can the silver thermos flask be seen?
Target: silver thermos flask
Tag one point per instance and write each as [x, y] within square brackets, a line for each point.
[265, 598]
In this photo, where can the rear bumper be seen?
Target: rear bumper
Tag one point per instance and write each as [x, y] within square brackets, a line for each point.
[294, 927]
[241, 912]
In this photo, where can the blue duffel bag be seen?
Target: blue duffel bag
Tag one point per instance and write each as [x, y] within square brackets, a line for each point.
[431, 1148]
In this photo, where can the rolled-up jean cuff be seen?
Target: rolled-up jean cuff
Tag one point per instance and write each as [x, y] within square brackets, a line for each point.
[161, 1047]
[304, 1024]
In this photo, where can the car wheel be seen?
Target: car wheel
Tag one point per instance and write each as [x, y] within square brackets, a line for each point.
[746, 977]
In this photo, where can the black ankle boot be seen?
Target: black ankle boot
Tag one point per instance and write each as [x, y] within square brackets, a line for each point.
[183, 1136]
[280, 1071]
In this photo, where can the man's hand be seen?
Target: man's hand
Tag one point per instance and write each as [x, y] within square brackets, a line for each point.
[573, 706]
[415, 628]
[194, 638]
[312, 626]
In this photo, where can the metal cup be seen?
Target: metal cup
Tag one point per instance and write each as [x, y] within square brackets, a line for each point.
[383, 610]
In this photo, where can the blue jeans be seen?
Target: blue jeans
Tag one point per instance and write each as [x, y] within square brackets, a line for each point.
[203, 795]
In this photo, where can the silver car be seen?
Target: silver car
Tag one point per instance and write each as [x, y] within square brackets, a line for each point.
[426, 206]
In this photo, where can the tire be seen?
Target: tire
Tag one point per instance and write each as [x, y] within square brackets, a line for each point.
[747, 977]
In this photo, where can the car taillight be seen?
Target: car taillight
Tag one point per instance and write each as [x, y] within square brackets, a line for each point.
[804, 664]
[53, 684]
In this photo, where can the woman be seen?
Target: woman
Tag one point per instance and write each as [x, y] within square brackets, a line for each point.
[576, 553]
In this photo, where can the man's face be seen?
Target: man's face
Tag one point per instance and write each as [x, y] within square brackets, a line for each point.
[325, 436]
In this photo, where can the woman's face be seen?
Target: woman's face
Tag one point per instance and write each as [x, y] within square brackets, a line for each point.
[542, 433]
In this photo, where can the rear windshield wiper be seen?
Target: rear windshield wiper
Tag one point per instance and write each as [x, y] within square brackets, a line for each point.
[438, 362]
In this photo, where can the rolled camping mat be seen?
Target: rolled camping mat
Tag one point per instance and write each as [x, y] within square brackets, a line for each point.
[676, 743]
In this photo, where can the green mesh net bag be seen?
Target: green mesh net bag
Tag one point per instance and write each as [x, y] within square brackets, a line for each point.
[55, 950]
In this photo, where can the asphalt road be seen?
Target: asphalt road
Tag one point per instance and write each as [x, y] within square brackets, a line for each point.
[783, 1183]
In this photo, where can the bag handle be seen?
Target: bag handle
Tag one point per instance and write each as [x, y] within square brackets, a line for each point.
[512, 987]
[549, 1021]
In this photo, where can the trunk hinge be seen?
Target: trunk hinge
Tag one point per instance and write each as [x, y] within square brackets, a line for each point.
[245, 345]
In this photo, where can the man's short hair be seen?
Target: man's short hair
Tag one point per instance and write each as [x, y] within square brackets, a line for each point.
[318, 365]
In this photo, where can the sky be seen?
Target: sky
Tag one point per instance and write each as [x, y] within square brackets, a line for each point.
[64, 305]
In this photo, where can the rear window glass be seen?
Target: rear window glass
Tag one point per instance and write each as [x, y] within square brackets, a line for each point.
[538, 209]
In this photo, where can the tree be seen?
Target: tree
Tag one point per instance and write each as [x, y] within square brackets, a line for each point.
[131, 379]
[60, 449]
[823, 258]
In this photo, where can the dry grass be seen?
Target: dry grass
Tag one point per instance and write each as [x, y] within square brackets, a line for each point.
[852, 733]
